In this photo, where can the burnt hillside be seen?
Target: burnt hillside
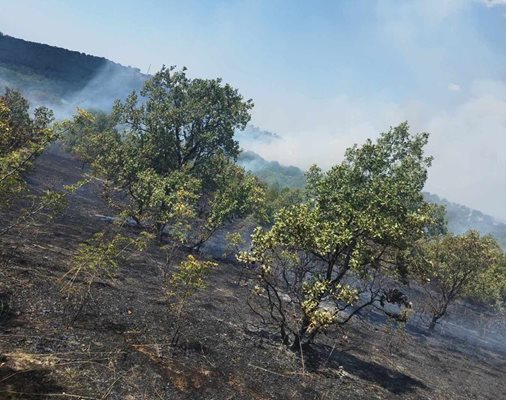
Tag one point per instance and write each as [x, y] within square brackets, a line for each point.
[119, 345]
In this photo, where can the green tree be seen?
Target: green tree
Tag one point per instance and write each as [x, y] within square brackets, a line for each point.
[231, 193]
[453, 266]
[319, 256]
[277, 197]
[490, 288]
[171, 150]
[22, 139]
[182, 122]
[83, 134]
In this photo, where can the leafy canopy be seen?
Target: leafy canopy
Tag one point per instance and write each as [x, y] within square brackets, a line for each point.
[359, 215]
[454, 266]
[172, 151]
[22, 139]
[182, 122]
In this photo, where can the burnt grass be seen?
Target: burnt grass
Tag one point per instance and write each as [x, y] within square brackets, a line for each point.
[119, 347]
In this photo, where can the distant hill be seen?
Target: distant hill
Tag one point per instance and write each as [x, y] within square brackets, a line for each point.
[461, 219]
[272, 171]
[64, 79]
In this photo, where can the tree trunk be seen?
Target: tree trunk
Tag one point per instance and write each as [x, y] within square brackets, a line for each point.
[433, 323]
[160, 229]
[437, 315]
[302, 339]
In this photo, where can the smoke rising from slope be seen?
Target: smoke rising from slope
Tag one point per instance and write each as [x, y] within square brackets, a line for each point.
[467, 131]
[467, 137]
[109, 84]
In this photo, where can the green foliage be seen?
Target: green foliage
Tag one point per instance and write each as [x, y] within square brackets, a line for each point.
[358, 214]
[490, 286]
[185, 282]
[22, 139]
[232, 193]
[283, 185]
[166, 200]
[277, 198]
[83, 134]
[236, 239]
[190, 276]
[182, 122]
[172, 153]
[439, 226]
[377, 188]
[456, 266]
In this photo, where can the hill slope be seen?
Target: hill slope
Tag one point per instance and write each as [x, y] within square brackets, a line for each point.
[119, 345]
[272, 172]
[461, 219]
[62, 78]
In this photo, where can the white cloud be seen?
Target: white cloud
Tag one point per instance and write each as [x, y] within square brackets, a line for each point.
[492, 3]
[453, 87]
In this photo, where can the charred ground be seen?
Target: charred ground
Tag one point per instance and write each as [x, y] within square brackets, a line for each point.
[119, 346]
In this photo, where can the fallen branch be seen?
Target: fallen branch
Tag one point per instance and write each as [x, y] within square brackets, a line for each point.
[266, 370]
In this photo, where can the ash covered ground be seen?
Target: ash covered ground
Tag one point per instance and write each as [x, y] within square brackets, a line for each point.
[119, 346]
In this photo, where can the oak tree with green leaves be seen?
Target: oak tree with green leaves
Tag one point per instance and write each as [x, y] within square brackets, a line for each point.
[171, 150]
[24, 135]
[22, 139]
[182, 123]
[324, 260]
[231, 193]
[85, 132]
[456, 266]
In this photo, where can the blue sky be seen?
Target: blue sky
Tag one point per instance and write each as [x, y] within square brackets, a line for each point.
[323, 74]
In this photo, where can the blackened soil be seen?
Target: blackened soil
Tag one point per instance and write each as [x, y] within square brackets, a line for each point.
[119, 346]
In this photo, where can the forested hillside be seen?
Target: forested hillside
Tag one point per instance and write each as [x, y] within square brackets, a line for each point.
[272, 172]
[63, 78]
[461, 219]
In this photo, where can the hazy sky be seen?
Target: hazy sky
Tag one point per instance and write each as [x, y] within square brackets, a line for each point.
[323, 74]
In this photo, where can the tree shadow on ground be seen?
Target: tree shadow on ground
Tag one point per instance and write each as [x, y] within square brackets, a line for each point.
[26, 384]
[322, 356]
[8, 318]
